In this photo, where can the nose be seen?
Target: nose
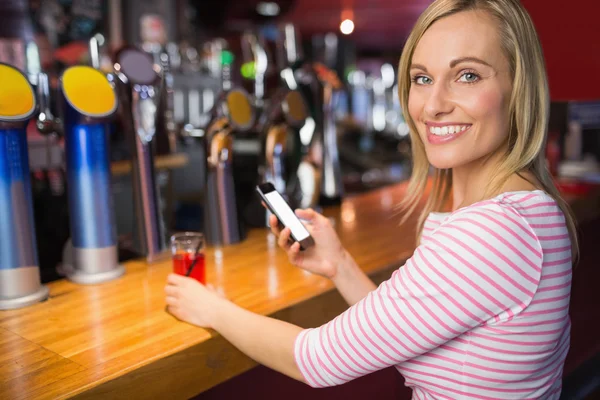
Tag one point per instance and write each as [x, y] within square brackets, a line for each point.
[439, 102]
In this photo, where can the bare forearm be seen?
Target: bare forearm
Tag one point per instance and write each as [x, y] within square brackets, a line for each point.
[352, 283]
[266, 340]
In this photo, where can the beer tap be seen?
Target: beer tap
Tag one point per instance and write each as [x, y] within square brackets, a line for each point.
[232, 113]
[321, 88]
[282, 149]
[94, 52]
[254, 50]
[332, 188]
[88, 102]
[320, 172]
[139, 93]
[20, 283]
[290, 56]
[46, 122]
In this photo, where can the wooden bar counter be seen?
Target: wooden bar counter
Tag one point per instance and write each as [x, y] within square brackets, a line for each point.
[116, 341]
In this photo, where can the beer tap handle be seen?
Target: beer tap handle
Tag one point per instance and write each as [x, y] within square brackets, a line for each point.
[254, 51]
[167, 83]
[46, 122]
[94, 49]
[289, 47]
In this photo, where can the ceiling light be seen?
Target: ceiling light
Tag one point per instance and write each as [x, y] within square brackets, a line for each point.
[268, 8]
[347, 26]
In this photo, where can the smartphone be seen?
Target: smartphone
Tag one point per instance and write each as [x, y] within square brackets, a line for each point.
[278, 206]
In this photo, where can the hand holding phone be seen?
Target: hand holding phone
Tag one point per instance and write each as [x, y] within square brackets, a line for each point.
[280, 208]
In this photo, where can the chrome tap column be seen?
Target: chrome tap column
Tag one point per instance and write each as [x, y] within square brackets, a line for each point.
[17, 38]
[332, 188]
[139, 94]
[88, 101]
[319, 86]
[232, 113]
[19, 270]
[254, 50]
[282, 146]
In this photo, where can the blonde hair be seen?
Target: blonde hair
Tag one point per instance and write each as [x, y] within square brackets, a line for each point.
[529, 109]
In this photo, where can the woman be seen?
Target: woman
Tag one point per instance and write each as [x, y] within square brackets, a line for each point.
[481, 309]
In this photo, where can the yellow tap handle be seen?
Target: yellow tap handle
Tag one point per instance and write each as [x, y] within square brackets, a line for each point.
[17, 100]
[89, 91]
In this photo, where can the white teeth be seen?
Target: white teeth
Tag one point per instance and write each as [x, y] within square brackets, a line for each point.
[447, 130]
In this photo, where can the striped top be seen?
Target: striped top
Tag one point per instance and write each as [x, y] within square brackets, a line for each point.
[480, 311]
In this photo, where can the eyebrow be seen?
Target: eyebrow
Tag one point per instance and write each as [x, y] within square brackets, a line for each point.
[454, 63]
[418, 66]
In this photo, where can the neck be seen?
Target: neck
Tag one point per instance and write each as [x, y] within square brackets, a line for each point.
[469, 182]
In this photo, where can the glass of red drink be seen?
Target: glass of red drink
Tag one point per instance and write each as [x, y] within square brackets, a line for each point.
[188, 249]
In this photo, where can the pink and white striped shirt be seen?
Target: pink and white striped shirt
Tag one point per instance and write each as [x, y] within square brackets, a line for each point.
[480, 311]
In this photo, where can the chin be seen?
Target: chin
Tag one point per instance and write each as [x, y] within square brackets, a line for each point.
[444, 160]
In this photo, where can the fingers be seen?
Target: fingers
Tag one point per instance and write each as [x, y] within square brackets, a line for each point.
[293, 252]
[171, 301]
[294, 255]
[295, 248]
[308, 214]
[274, 224]
[174, 279]
[283, 239]
[171, 291]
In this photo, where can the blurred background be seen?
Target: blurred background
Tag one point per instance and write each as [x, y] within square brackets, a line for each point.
[315, 110]
[213, 45]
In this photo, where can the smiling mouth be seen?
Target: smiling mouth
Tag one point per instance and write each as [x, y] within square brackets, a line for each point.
[447, 130]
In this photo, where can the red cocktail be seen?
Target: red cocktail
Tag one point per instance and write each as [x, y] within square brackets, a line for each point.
[188, 252]
[183, 261]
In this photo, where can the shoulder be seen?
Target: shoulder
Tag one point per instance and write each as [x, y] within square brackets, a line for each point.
[496, 231]
[489, 247]
[515, 212]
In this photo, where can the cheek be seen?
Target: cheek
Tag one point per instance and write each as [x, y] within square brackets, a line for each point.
[415, 105]
[487, 106]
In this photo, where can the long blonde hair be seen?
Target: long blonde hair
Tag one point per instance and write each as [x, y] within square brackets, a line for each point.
[529, 109]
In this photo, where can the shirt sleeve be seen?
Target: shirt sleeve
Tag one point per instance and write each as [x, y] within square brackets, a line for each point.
[432, 222]
[481, 266]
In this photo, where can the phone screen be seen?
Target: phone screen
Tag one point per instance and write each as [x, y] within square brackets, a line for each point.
[286, 215]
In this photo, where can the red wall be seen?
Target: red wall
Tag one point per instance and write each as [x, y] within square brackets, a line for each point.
[570, 35]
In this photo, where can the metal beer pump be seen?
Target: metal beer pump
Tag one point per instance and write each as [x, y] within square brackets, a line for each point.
[139, 91]
[282, 148]
[88, 102]
[232, 113]
[319, 172]
[20, 283]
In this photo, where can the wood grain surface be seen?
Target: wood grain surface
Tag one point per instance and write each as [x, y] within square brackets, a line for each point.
[115, 340]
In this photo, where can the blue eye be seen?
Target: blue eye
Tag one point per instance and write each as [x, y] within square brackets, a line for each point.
[422, 80]
[469, 77]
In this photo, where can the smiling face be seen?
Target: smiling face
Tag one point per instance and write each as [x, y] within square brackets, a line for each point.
[460, 90]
